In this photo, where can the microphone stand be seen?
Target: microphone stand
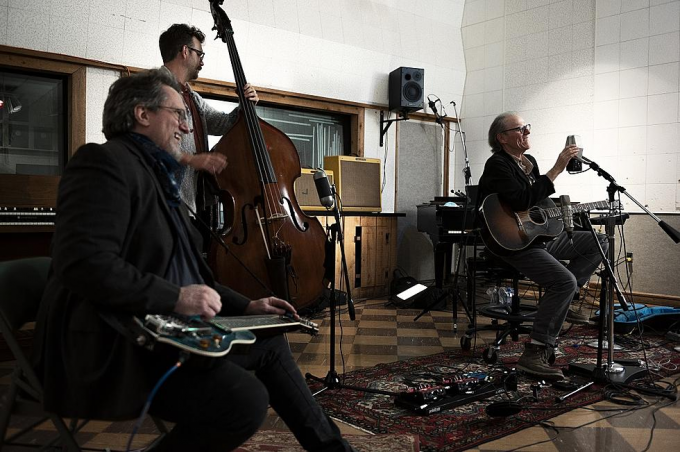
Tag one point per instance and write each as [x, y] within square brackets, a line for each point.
[469, 310]
[466, 169]
[468, 178]
[332, 380]
[668, 229]
[457, 297]
[612, 371]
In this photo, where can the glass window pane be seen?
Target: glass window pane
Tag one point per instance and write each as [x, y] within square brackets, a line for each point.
[32, 125]
[315, 135]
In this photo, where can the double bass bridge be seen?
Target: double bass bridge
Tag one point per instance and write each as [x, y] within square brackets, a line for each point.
[274, 217]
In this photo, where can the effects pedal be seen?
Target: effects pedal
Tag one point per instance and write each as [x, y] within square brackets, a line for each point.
[423, 395]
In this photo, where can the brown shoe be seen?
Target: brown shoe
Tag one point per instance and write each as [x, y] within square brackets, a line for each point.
[534, 361]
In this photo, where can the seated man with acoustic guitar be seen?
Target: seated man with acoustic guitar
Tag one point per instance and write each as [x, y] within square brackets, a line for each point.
[512, 177]
[123, 247]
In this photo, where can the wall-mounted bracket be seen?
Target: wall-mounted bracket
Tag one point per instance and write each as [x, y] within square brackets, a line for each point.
[389, 122]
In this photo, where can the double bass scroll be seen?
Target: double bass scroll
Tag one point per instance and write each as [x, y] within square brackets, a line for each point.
[263, 223]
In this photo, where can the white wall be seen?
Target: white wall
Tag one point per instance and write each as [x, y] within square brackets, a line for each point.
[342, 49]
[603, 69]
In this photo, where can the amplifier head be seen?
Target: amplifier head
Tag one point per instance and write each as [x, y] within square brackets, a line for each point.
[305, 190]
[357, 181]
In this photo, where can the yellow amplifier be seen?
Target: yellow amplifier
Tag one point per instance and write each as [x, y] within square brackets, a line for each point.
[357, 181]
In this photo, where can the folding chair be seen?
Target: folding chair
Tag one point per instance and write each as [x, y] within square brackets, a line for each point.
[22, 283]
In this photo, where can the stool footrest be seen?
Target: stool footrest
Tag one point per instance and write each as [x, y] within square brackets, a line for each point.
[526, 313]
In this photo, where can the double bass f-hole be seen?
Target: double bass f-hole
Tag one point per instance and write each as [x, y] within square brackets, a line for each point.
[289, 206]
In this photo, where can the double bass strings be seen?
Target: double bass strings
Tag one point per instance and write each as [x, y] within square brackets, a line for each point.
[265, 170]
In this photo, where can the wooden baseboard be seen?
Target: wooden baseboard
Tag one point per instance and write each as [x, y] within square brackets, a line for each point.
[635, 297]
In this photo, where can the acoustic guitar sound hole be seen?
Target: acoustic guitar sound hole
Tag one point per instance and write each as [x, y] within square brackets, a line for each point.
[537, 215]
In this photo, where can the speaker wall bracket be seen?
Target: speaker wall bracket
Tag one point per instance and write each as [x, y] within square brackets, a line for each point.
[383, 130]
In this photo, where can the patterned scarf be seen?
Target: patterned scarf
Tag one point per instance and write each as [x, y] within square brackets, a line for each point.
[166, 168]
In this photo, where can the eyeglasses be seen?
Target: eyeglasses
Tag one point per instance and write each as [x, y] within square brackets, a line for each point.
[200, 53]
[181, 114]
[522, 129]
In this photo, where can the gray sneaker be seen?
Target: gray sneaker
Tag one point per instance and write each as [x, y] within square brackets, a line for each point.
[576, 315]
[534, 361]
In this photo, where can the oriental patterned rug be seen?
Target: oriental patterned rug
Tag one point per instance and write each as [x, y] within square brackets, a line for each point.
[468, 425]
[273, 441]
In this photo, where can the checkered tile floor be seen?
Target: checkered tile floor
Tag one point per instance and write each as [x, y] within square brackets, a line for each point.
[382, 334]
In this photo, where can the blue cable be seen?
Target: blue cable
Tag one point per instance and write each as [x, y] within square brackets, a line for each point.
[147, 405]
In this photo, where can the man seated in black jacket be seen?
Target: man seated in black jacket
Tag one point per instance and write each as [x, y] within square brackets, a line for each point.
[514, 176]
[123, 245]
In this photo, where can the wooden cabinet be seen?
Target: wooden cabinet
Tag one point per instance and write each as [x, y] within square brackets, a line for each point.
[370, 251]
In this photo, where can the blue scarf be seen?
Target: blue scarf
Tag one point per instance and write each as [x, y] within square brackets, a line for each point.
[166, 168]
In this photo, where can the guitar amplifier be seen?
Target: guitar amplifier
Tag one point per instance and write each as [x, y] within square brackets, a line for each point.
[305, 190]
[357, 182]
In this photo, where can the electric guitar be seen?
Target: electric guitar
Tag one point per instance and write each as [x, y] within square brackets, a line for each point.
[506, 231]
[212, 338]
[191, 334]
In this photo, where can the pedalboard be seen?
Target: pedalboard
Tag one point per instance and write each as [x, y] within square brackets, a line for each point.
[440, 393]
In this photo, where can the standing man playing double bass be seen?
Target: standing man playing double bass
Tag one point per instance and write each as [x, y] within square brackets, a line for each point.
[181, 48]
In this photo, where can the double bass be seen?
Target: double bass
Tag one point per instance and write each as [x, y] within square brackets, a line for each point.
[273, 247]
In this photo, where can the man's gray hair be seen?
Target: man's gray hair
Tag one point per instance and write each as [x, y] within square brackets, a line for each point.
[144, 88]
[498, 126]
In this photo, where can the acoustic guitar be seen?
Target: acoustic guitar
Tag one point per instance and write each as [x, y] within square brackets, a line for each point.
[505, 231]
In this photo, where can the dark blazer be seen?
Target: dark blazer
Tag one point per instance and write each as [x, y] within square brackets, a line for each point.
[112, 245]
[503, 175]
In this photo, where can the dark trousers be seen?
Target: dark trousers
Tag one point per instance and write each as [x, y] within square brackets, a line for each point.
[220, 407]
[560, 283]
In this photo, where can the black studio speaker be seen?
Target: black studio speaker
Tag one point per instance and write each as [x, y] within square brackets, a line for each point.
[406, 89]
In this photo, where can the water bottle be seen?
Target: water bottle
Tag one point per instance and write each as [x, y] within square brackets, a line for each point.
[505, 296]
[493, 294]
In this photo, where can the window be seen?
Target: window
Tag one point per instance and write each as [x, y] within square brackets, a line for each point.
[33, 133]
[315, 135]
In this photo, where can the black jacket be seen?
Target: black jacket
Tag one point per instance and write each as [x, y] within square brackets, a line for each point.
[502, 175]
[112, 245]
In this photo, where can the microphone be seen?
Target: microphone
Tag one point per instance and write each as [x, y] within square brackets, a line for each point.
[567, 215]
[323, 188]
[433, 107]
[576, 164]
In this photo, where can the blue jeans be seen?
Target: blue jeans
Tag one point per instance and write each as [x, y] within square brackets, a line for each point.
[560, 283]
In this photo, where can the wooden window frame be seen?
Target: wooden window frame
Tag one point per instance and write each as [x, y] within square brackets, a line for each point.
[19, 190]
